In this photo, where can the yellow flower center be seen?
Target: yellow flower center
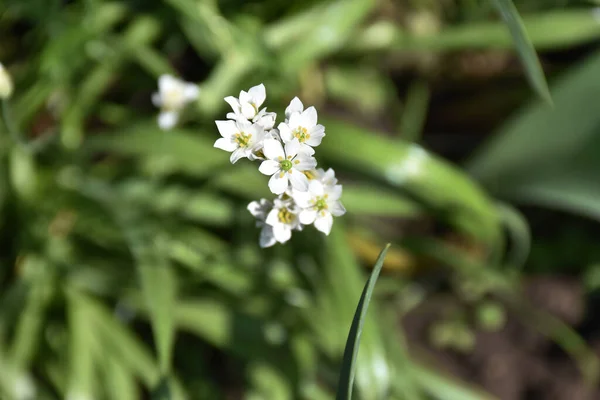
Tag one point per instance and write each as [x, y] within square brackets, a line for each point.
[320, 203]
[301, 134]
[309, 174]
[242, 139]
[173, 99]
[285, 216]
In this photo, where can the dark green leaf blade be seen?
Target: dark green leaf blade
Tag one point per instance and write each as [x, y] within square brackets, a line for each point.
[346, 379]
[524, 47]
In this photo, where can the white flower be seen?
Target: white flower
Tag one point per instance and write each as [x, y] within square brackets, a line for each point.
[319, 205]
[242, 138]
[301, 126]
[286, 165]
[173, 95]
[248, 103]
[6, 85]
[260, 210]
[283, 218]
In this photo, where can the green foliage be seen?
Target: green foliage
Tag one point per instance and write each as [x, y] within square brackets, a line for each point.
[129, 266]
[348, 369]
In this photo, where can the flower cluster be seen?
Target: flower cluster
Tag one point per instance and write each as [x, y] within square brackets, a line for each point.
[172, 97]
[305, 195]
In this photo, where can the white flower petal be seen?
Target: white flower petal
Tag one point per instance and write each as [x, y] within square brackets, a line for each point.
[303, 162]
[282, 233]
[298, 180]
[302, 199]
[309, 117]
[225, 144]
[156, 99]
[167, 82]
[278, 183]
[324, 222]
[245, 97]
[334, 192]
[337, 209]
[237, 154]
[273, 149]
[295, 106]
[285, 132]
[269, 167]
[295, 121]
[292, 147]
[267, 121]
[306, 149]
[328, 178]
[248, 110]
[191, 92]
[316, 188]
[234, 103]
[167, 119]
[307, 217]
[316, 135]
[254, 208]
[272, 217]
[258, 94]
[267, 238]
[227, 128]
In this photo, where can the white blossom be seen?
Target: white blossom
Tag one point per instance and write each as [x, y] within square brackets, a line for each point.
[241, 138]
[286, 165]
[302, 126]
[319, 205]
[172, 96]
[248, 104]
[306, 195]
[6, 85]
[283, 218]
[260, 210]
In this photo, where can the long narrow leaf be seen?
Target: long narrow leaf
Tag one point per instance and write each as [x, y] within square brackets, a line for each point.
[524, 47]
[346, 380]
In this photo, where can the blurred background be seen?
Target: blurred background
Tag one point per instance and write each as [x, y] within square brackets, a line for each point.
[130, 267]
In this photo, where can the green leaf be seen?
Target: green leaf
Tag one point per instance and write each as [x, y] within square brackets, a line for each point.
[176, 151]
[119, 341]
[371, 200]
[120, 382]
[444, 387]
[158, 282]
[548, 156]
[532, 65]
[548, 30]
[519, 231]
[83, 349]
[347, 372]
[437, 184]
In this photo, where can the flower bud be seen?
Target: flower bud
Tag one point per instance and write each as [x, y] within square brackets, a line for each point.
[6, 85]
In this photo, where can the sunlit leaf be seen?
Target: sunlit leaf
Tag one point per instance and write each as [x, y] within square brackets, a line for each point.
[347, 372]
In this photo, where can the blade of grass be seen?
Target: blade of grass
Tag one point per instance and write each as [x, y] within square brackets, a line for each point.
[524, 47]
[346, 380]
